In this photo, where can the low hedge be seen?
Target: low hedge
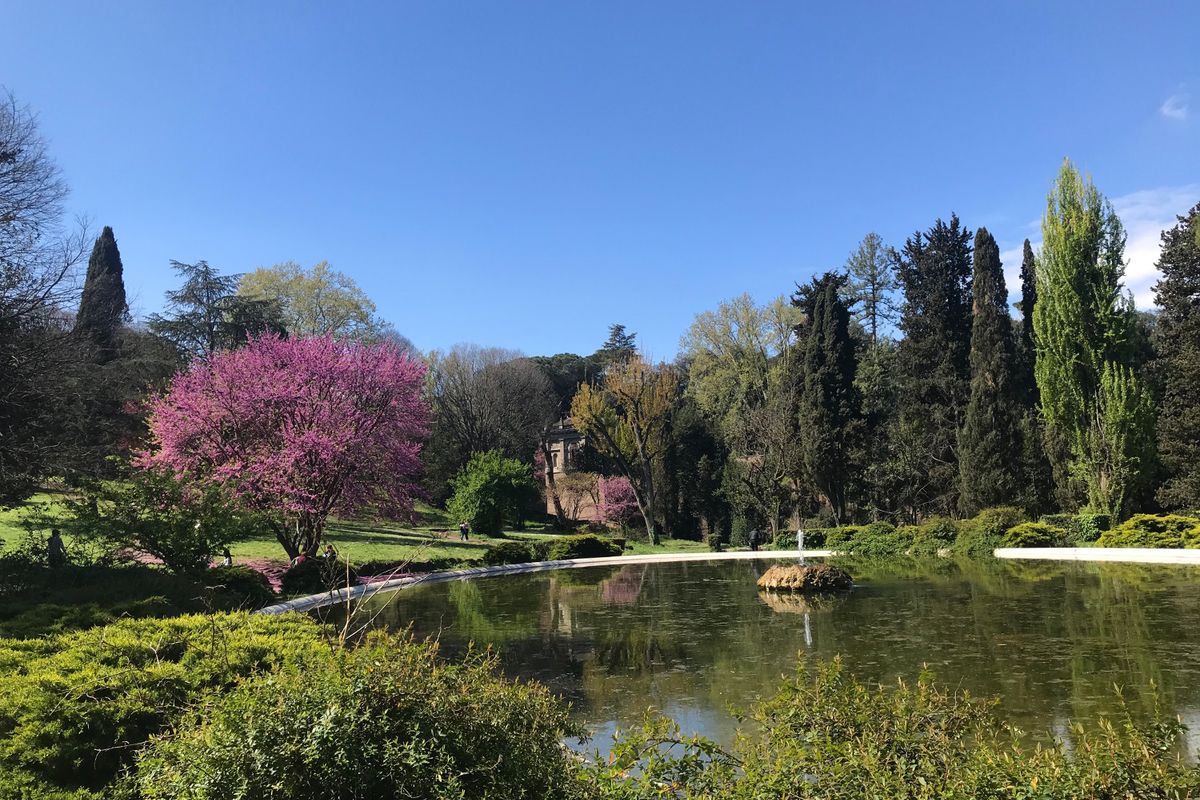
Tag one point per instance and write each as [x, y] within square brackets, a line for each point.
[934, 535]
[510, 552]
[250, 585]
[315, 575]
[1152, 530]
[979, 536]
[1034, 534]
[583, 546]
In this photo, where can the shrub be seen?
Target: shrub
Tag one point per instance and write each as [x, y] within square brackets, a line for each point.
[388, 719]
[1150, 530]
[76, 706]
[250, 585]
[1089, 526]
[934, 535]
[36, 600]
[980, 536]
[840, 538]
[491, 490]
[827, 735]
[583, 546]
[182, 524]
[618, 503]
[315, 575]
[1034, 534]
[880, 540]
[508, 553]
[813, 538]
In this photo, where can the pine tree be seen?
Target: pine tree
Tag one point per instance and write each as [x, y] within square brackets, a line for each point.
[620, 346]
[872, 283]
[828, 405]
[1178, 364]
[933, 365]
[102, 307]
[1084, 334]
[989, 454]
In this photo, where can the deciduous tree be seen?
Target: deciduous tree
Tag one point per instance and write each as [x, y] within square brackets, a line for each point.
[297, 429]
[316, 302]
[1083, 329]
[625, 417]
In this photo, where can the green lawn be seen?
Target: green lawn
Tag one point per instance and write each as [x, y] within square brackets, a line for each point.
[433, 536]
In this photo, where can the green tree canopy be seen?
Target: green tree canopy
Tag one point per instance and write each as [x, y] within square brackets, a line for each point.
[1083, 329]
[316, 301]
[492, 490]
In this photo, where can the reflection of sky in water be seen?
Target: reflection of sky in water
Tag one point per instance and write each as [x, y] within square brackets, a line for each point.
[1050, 640]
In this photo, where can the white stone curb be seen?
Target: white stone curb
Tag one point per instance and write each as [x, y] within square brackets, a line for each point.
[366, 590]
[1131, 555]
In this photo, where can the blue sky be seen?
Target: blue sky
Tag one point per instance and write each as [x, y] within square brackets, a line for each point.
[523, 174]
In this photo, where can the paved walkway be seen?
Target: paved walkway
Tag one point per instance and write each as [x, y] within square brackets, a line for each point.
[363, 591]
[1134, 555]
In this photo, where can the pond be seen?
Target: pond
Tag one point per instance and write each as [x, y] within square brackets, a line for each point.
[695, 640]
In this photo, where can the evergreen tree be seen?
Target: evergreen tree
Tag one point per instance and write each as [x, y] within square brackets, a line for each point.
[1084, 335]
[933, 365]
[1028, 301]
[828, 405]
[872, 283]
[620, 346]
[207, 314]
[102, 307]
[990, 442]
[1178, 363]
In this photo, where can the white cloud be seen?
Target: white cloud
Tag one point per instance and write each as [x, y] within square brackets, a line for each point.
[1175, 106]
[1145, 215]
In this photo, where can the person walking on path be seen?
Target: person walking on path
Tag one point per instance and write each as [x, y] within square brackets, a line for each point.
[56, 550]
[463, 530]
[755, 538]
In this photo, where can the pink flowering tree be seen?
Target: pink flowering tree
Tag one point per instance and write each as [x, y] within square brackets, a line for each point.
[618, 503]
[297, 429]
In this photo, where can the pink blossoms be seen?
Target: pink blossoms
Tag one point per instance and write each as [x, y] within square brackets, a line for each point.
[298, 428]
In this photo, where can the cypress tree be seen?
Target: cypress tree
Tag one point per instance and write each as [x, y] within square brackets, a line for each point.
[1178, 363]
[828, 407]
[102, 307]
[1084, 330]
[933, 365]
[990, 442]
[1028, 301]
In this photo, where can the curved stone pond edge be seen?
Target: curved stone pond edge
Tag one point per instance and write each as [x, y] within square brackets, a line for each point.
[363, 591]
[1128, 555]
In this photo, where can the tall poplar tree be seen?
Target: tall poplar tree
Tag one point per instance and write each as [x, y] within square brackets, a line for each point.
[828, 406]
[1083, 329]
[102, 307]
[933, 366]
[989, 454]
[1178, 366]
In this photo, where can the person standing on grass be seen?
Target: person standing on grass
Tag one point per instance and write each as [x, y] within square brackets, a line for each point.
[463, 530]
[56, 550]
[227, 561]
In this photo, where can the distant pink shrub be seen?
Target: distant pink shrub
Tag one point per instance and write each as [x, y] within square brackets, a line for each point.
[618, 504]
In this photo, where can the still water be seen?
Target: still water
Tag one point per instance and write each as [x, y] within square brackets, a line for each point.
[695, 640]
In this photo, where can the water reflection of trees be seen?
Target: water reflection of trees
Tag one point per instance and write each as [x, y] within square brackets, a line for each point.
[1049, 638]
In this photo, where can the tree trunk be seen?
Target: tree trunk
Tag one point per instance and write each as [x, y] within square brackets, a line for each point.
[552, 487]
[651, 510]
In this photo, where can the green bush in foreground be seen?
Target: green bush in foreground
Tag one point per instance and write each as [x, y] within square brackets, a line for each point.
[829, 737]
[76, 707]
[1149, 530]
[583, 546]
[383, 720]
[1034, 534]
